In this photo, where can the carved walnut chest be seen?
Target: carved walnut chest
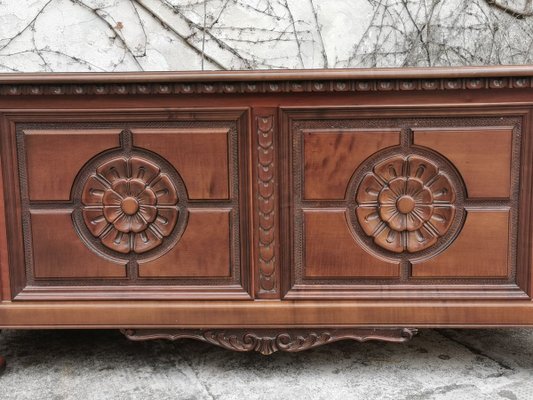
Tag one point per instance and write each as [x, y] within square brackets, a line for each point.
[267, 210]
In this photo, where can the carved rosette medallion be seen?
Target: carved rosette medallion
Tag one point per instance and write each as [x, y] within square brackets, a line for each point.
[408, 202]
[135, 205]
[131, 205]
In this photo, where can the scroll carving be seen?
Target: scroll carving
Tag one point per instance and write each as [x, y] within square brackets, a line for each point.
[268, 341]
[266, 205]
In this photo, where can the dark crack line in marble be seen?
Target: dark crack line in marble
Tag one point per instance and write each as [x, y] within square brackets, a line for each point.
[475, 350]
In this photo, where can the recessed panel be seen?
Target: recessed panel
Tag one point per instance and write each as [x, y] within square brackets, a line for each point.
[481, 250]
[59, 253]
[203, 251]
[200, 155]
[400, 203]
[110, 208]
[331, 156]
[482, 156]
[54, 157]
[332, 252]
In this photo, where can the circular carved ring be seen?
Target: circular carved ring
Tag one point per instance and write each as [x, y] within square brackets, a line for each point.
[408, 204]
[129, 204]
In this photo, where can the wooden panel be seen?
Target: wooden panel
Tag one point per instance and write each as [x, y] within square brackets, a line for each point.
[482, 156]
[332, 252]
[199, 155]
[203, 250]
[59, 253]
[481, 250]
[54, 157]
[331, 157]
[266, 313]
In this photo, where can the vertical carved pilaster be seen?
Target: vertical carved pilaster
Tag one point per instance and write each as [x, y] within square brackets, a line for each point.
[266, 213]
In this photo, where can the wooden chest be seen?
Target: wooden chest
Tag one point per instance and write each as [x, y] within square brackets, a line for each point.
[267, 210]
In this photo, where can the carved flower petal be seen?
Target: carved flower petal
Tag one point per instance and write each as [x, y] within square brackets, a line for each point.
[390, 168]
[423, 197]
[442, 218]
[398, 186]
[165, 191]
[123, 223]
[442, 190]
[421, 168]
[413, 187]
[166, 220]
[147, 197]
[414, 222]
[135, 187]
[148, 213]
[369, 219]
[111, 198]
[423, 211]
[398, 222]
[145, 241]
[143, 170]
[368, 190]
[387, 196]
[95, 220]
[137, 224]
[121, 186]
[111, 213]
[390, 240]
[114, 170]
[388, 211]
[93, 192]
[117, 241]
[419, 240]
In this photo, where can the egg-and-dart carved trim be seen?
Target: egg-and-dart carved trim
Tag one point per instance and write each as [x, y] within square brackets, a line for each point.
[269, 341]
[271, 86]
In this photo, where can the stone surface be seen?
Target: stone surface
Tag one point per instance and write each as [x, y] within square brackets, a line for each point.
[132, 35]
[437, 364]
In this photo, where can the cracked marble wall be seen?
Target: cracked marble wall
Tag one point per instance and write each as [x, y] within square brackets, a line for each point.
[133, 35]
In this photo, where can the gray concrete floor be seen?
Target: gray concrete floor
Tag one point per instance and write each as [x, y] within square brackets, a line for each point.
[437, 364]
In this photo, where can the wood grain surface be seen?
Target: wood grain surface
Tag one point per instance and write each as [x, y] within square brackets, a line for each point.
[268, 173]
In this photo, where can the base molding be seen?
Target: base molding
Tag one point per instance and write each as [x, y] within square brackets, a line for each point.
[268, 341]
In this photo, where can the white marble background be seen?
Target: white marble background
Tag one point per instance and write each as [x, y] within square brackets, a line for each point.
[132, 35]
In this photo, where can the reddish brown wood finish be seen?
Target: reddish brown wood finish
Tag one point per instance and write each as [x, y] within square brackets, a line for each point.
[332, 156]
[332, 252]
[203, 251]
[190, 151]
[58, 252]
[482, 156]
[291, 199]
[72, 148]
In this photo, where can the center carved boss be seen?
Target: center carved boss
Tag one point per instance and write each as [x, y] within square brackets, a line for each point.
[405, 204]
[129, 204]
